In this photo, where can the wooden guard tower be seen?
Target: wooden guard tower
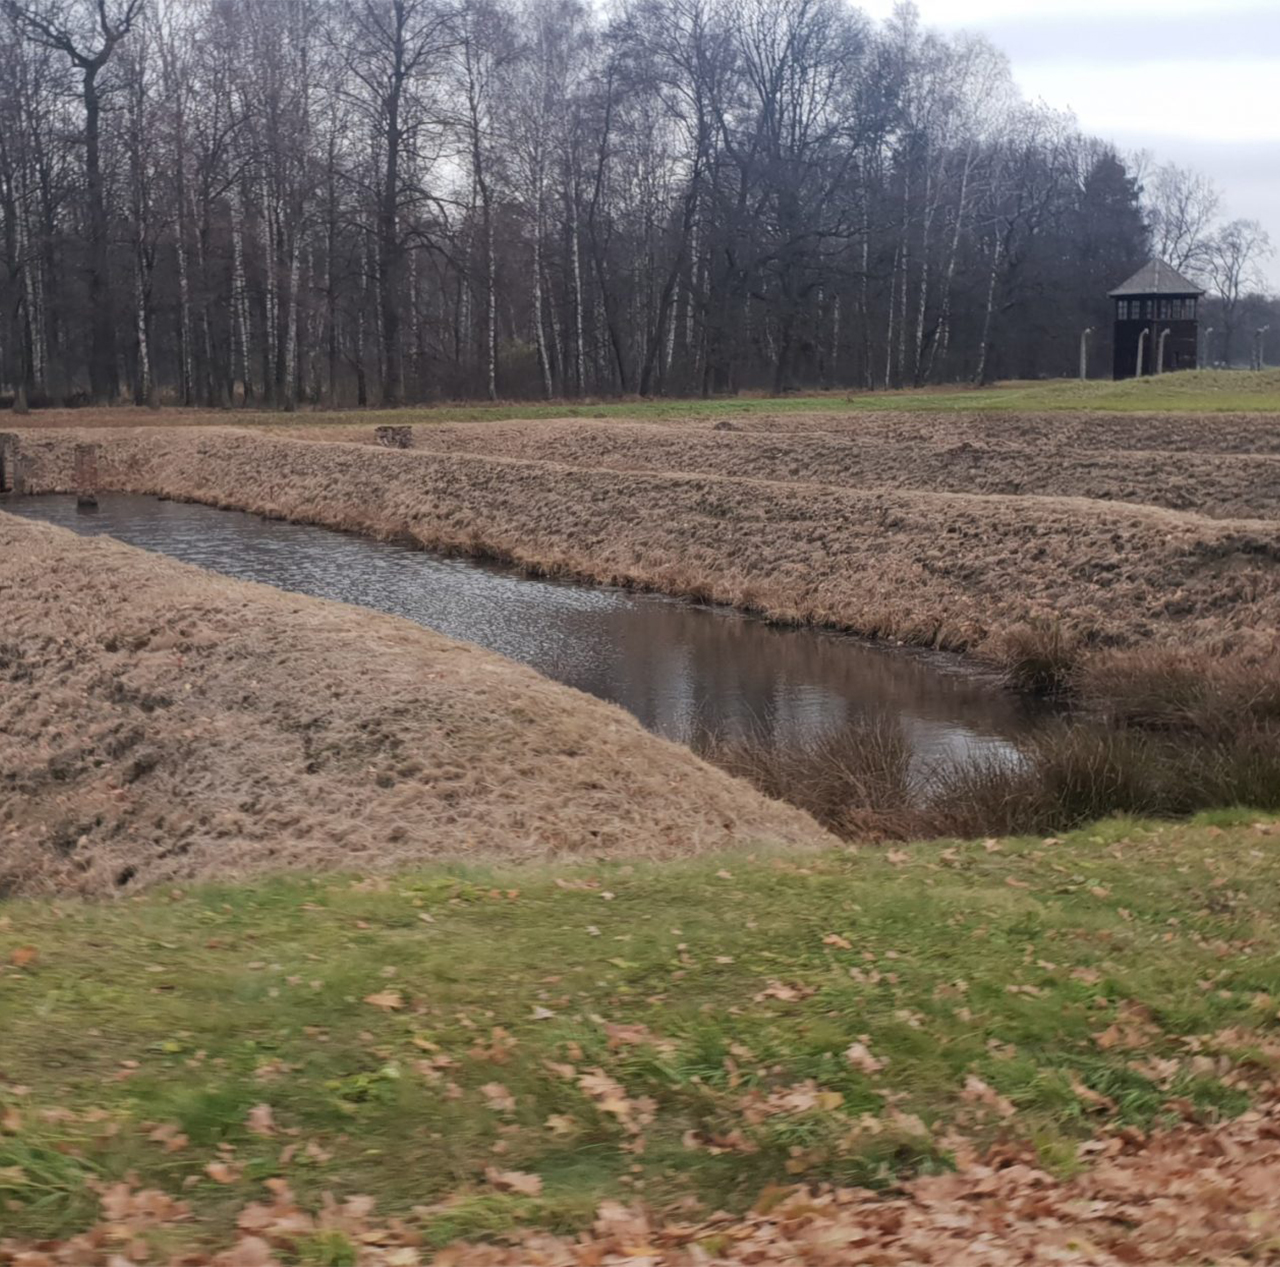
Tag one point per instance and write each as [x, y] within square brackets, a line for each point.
[1157, 322]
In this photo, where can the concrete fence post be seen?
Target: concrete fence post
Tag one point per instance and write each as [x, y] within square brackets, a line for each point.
[8, 462]
[86, 475]
[394, 437]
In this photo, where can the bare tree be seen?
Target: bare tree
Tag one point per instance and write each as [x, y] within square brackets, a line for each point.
[353, 200]
[392, 44]
[1234, 266]
[87, 32]
[1183, 206]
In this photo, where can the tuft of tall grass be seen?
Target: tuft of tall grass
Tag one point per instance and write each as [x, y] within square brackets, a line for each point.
[1177, 689]
[857, 781]
[861, 782]
[1037, 655]
[1061, 776]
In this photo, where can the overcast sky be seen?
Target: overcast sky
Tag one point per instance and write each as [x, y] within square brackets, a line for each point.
[1195, 81]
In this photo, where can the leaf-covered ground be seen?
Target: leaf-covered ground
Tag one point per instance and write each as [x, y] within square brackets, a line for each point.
[331, 1070]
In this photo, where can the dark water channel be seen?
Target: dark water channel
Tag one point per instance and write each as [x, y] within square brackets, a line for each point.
[682, 669]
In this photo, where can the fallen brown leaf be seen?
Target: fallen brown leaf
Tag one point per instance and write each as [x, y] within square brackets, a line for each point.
[517, 1181]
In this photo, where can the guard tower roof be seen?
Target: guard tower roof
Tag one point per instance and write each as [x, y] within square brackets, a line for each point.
[1157, 278]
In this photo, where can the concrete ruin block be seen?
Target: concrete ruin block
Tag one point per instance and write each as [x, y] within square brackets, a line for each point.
[86, 475]
[394, 437]
[8, 461]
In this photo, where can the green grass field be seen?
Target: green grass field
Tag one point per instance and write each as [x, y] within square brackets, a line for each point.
[493, 1049]
[1206, 391]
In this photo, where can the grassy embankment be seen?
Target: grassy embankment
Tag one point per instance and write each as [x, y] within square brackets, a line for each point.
[159, 723]
[482, 1051]
[980, 574]
[1161, 621]
[1203, 391]
[1226, 467]
[1214, 391]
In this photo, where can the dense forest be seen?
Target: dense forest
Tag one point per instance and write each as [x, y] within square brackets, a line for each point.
[376, 201]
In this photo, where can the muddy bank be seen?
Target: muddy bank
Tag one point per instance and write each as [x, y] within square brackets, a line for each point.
[158, 723]
[1046, 586]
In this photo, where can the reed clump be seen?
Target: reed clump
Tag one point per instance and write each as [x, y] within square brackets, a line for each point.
[1038, 655]
[861, 781]
[1173, 688]
[857, 781]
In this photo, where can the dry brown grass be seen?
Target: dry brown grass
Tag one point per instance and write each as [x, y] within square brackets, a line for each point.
[158, 722]
[1083, 430]
[983, 574]
[947, 453]
[1173, 688]
[857, 781]
[861, 783]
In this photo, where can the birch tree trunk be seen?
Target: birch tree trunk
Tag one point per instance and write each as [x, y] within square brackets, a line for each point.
[889, 341]
[576, 260]
[291, 330]
[185, 372]
[943, 341]
[540, 335]
[271, 299]
[922, 304]
[490, 308]
[240, 292]
[145, 396]
[984, 345]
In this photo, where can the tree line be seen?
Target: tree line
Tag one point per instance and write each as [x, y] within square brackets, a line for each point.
[377, 201]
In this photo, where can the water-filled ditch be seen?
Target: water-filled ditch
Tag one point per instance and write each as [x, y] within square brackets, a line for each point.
[685, 670]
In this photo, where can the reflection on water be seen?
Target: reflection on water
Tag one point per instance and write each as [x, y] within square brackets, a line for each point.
[681, 669]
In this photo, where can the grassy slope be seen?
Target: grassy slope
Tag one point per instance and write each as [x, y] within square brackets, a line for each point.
[1204, 391]
[1123, 962]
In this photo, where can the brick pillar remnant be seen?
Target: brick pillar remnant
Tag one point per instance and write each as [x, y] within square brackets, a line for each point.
[86, 475]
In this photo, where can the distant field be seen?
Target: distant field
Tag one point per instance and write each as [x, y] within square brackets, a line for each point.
[1205, 391]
